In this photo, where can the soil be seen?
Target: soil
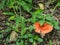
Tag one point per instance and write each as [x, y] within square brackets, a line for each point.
[54, 35]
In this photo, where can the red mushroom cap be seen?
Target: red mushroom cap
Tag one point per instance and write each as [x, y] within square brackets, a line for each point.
[37, 27]
[45, 28]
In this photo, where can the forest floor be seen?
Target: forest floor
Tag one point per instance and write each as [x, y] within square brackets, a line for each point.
[54, 35]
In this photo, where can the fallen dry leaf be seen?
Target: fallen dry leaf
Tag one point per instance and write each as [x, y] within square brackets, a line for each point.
[41, 6]
[13, 36]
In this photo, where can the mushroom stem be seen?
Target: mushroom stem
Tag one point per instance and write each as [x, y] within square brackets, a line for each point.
[42, 35]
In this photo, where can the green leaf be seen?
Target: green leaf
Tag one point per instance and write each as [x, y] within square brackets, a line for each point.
[33, 19]
[40, 16]
[49, 22]
[31, 40]
[30, 28]
[49, 18]
[8, 30]
[42, 22]
[8, 13]
[25, 36]
[7, 23]
[26, 6]
[38, 12]
[17, 21]
[56, 25]
[30, 35]
[23, 31]
[40, 40]
[36, 37]
[17, 43]
[11, 18]
[22, 24]
[58, 4]
[1, 36]
[20, 43]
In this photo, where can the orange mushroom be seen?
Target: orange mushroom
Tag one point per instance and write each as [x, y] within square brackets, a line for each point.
[44, 29]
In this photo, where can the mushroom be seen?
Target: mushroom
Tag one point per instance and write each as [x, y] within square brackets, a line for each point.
[44, 29]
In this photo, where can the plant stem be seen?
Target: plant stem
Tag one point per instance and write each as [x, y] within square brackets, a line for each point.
[14, 11]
